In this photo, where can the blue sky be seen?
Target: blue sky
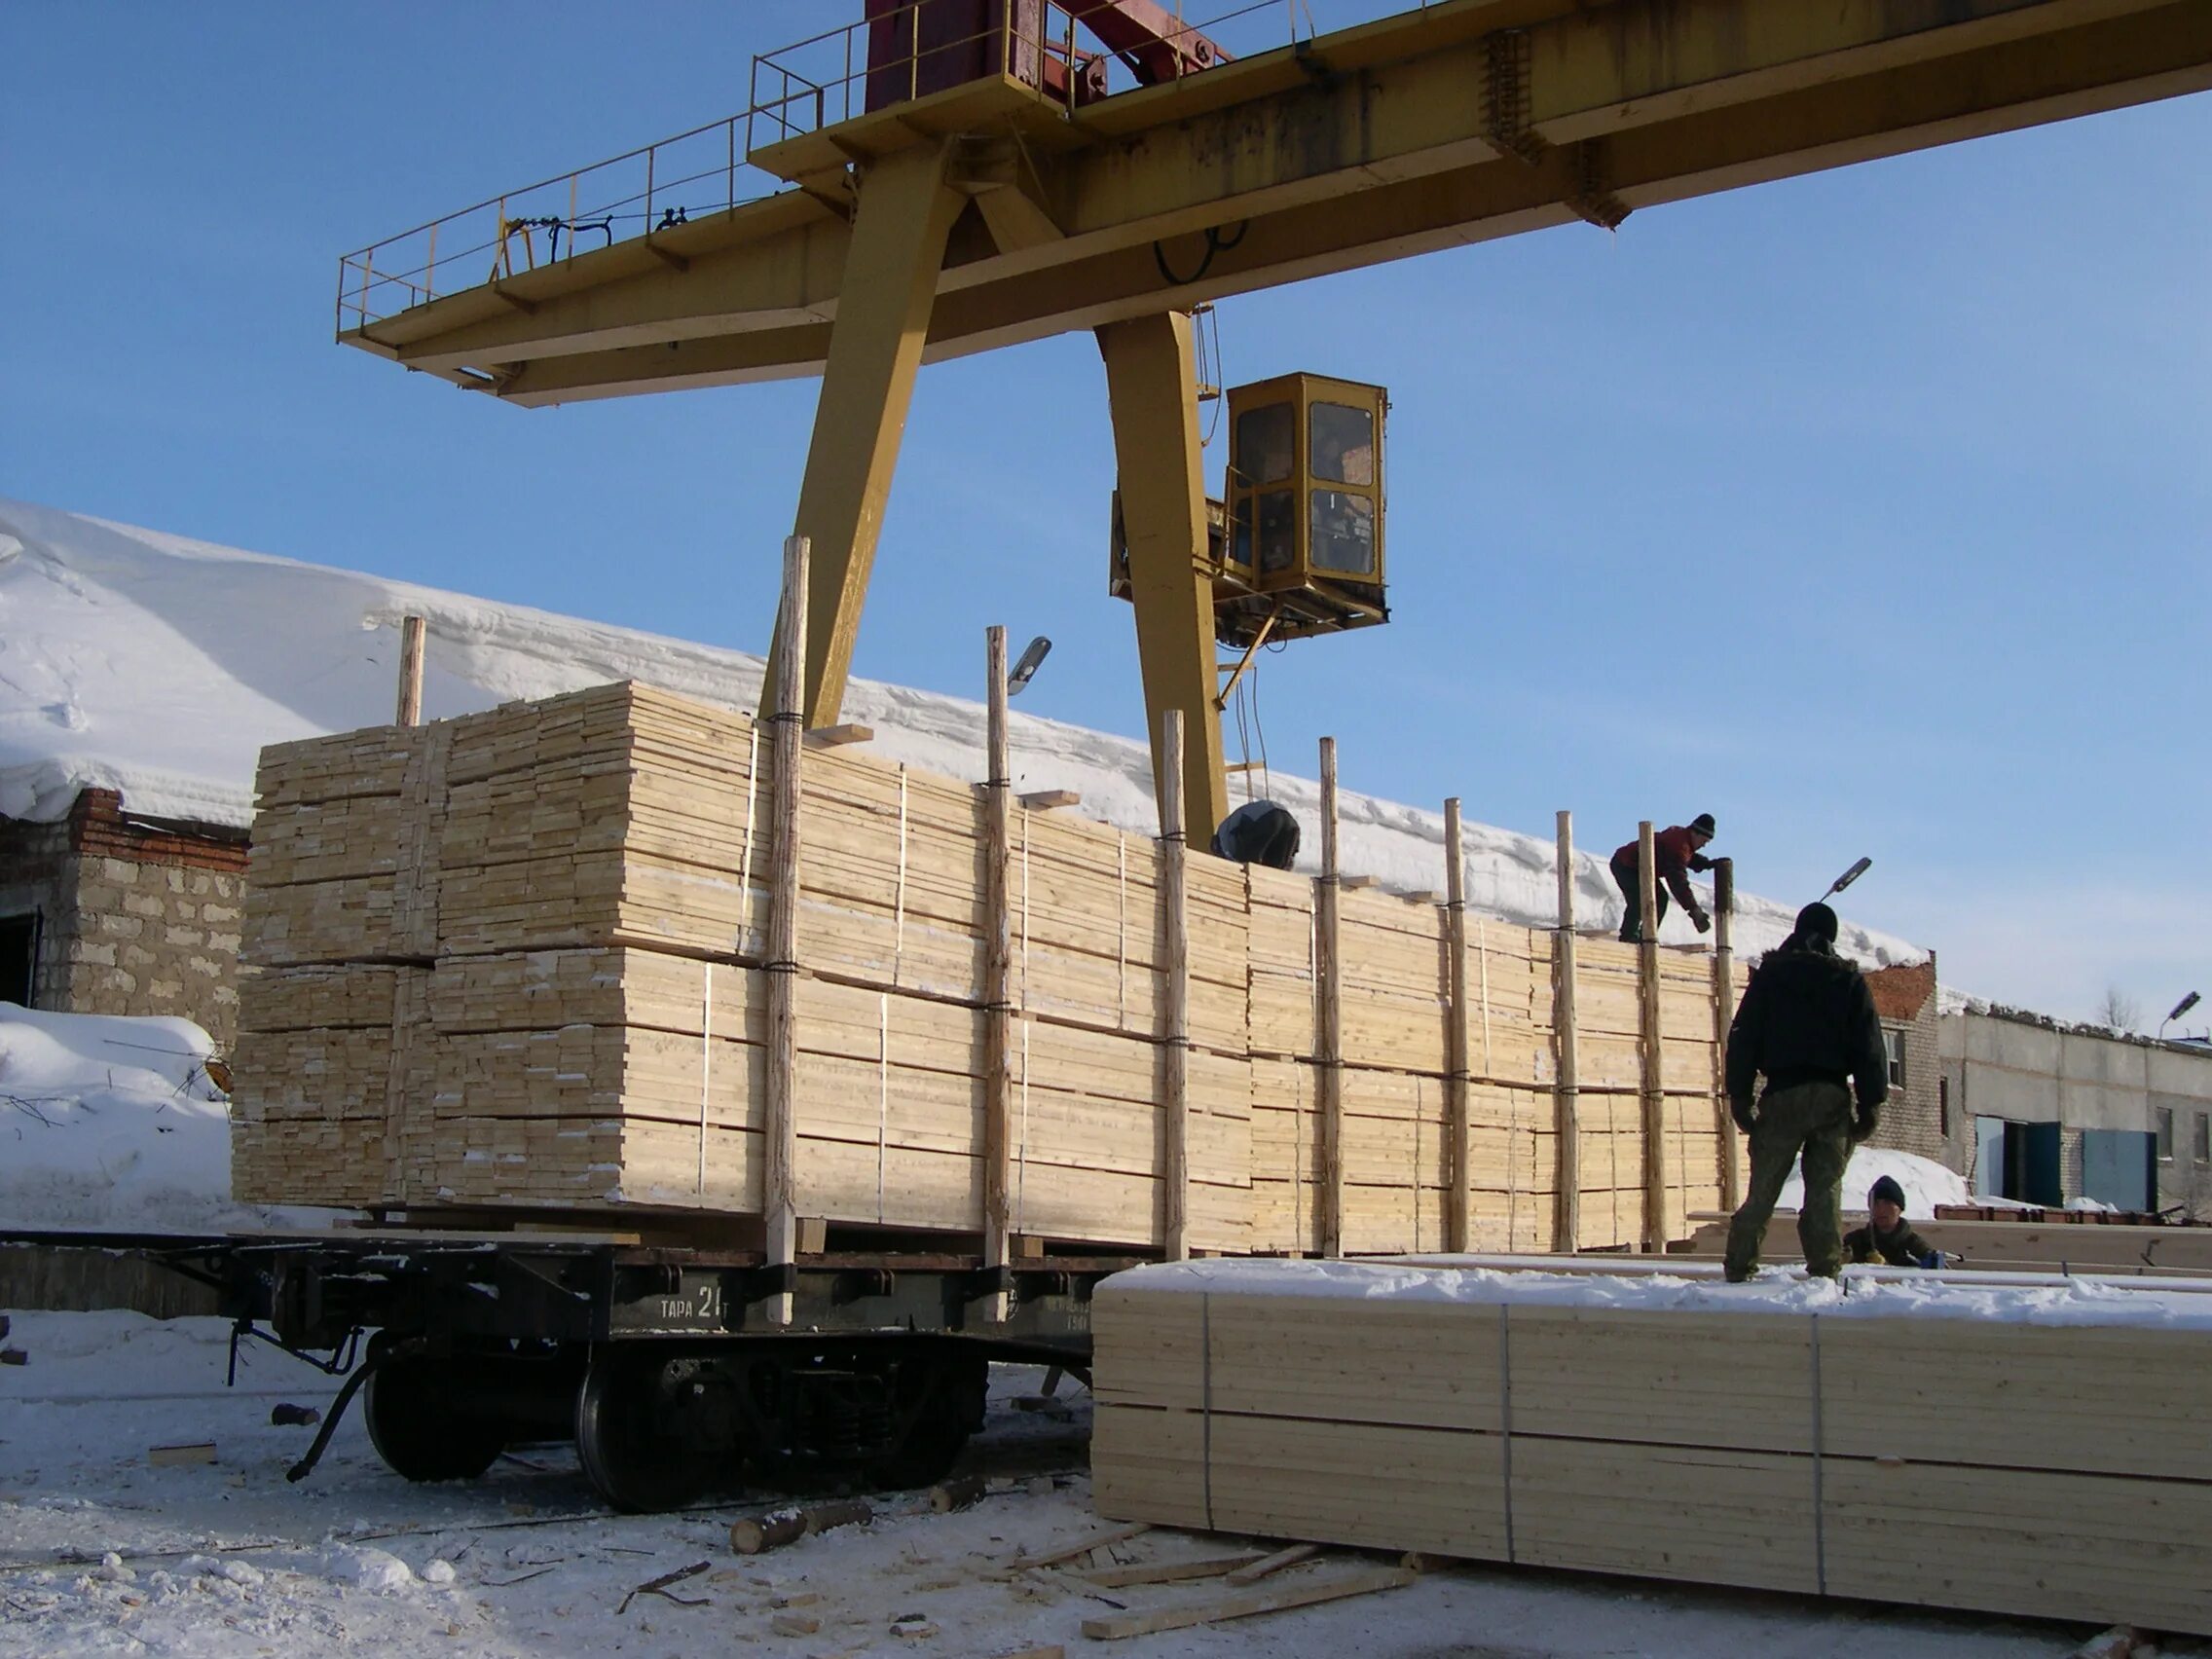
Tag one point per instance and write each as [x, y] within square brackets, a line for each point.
[1867, 511]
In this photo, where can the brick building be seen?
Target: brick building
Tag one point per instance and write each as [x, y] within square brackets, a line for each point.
[106, 912]
[1918, 1117]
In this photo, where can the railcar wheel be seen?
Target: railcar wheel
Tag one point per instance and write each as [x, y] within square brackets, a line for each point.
[418, 1420]
[628, 1436]
[947, 1406]
[931, 1447]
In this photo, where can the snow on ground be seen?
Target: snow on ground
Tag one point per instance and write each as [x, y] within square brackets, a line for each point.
[113, 1123]
[227, 1559]
[159, 666]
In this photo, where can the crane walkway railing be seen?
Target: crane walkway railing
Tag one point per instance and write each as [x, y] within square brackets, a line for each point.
[795, 90]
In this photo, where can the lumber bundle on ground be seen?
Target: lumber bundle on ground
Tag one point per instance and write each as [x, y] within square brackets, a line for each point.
[521, 958]
[1930, 1443]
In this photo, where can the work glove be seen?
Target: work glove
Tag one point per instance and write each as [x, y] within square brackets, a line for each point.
[1701, 921]
[1745, 1113]
[1863, 1124]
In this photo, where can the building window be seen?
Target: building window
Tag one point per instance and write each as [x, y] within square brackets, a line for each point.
[2201, 1152]
[2165, 1127]
[1893, 1045]
[1943, 1106]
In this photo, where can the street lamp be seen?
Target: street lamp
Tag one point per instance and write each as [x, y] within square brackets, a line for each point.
[1026, 667]
[1848, 877]
[2181, 1008]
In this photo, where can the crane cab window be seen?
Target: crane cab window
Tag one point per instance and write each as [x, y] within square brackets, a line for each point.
[1343, 444]
[1267, 443]
[1343, 533]
[1264, 450]
[1277, 512]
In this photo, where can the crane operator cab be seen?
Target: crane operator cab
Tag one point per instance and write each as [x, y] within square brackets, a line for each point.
[1294, 548]
[1296, 543]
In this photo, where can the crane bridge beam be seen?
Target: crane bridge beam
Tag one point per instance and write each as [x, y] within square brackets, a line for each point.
[1457, 124]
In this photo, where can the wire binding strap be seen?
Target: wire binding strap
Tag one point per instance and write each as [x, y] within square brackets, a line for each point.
[706, 1061]
[882, 1095]
[1122, 933]
[1505, 1417]
[1819, 1520]
[1206, 1398]
[898, 892]
[745, 858]
[1022, 1145]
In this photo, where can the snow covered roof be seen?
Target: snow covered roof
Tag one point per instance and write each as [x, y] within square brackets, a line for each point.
[158, 667]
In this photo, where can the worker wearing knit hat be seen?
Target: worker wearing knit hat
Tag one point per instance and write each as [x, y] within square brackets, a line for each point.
[1887, 1236]
[1675, 850]
[1806, 1031]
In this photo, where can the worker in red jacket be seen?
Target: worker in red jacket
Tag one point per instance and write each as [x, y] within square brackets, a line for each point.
[1675, 850]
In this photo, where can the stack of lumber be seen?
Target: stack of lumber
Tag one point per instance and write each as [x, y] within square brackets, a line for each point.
[1395, 1073]
[519, 958]
[1951, 1446]
[560, 909]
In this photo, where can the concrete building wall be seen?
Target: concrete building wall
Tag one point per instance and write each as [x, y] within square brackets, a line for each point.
[134, 919]
[2026, 1069]
[2180, 1079]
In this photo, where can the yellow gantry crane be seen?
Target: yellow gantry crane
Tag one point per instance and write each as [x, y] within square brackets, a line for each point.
[960, 176]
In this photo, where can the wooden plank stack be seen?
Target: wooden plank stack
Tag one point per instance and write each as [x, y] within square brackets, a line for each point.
[1730, 1437]
[518, 958]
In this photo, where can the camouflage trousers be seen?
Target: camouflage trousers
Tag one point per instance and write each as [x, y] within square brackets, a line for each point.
[1809, 1118]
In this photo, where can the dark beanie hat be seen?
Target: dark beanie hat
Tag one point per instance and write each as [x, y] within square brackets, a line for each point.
[1887, 1188]
[1703, 824]
[1817, 921]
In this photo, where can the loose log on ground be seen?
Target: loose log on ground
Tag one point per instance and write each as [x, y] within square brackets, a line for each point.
[759, 1534]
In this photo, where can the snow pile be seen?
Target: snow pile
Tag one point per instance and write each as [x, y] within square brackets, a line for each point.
[1926, 1182]
[113, 1123]
[158, 667]
[377, 1571]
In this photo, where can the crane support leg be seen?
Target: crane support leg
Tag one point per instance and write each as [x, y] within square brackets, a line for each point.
[905, 215]
[1151, 387]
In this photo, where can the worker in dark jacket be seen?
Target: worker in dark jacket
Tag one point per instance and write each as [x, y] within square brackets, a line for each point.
[1258, 833]
[1807, 1025]
[1675, 850]
[1886, 1237]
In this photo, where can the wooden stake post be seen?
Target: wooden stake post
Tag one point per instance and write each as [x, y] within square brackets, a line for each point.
[1458, 1195]
[1175, 1167]
[1567, 1122]
[1723, 1017]
[411, 631]
[998, 974]
[1328, 986]
[1654, 1099]
[786, 743]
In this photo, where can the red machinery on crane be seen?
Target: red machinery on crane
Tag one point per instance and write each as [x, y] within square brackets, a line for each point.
[916, 50]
